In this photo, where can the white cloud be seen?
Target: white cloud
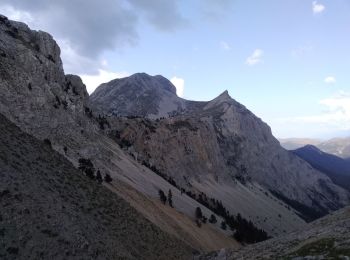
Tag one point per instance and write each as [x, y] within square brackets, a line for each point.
[317, 8]
[16, 15]
[103, 76]
[179, 83]
[255, 58]
[330, 80]
[336, 115]
[225, 46]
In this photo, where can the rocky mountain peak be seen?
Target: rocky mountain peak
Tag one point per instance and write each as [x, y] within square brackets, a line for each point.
[137, 95]
[145, 81]
[311, 147]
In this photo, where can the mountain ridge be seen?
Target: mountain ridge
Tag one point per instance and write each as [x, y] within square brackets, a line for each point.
[334, 167]
[235, 137]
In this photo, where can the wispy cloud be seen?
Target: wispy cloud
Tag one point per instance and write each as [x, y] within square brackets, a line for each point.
[225, 46]
[179, 84]
[317, 8]
[255, 58]
[103, 76]
[330, 80]
[336, 115]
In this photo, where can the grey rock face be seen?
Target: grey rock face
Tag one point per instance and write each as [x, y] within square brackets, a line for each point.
[137, 95]
[218, 141]
[34, 90]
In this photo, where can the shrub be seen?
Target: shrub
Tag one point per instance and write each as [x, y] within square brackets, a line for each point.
[108, 178]
[212, 219]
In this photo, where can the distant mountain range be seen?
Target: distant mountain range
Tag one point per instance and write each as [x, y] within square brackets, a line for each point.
[337, 146]
[336, 168]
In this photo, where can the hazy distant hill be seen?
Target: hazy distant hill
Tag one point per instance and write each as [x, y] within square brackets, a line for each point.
[337, 146]
[336, 168]
[295, 143]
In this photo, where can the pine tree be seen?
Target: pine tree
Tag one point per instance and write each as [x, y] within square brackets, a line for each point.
[99, 176]
[162, 196]
[199, 214]
[170, 198]
[223, 225]
[87, 167]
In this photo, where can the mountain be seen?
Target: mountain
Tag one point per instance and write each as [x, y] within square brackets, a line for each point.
[216, 159]
[49, 210]
[336, 168]
[336, 146]
[221, 149]
[153, 97]
[45, 103]
[326, 238]
[295, 143]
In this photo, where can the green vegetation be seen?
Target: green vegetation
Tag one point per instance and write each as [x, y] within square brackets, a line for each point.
[327, 247]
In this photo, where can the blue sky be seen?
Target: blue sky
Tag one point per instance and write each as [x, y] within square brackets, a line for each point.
[287, 61]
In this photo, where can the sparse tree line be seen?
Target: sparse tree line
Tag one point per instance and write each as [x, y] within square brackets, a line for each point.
[87, 167]
[164, 199]
[101, 120]
[244, 230]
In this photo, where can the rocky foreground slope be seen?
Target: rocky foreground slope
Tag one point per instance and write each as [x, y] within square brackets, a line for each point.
[41, 100]
[49, 210]
[326, 238]
[214, 147]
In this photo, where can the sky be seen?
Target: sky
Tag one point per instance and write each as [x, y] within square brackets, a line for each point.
[286, 61]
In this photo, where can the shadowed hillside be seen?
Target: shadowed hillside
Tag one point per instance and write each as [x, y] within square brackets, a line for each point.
[51, 210]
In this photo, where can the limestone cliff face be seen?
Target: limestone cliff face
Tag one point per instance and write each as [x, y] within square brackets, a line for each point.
[35, 92]
[223, 142]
